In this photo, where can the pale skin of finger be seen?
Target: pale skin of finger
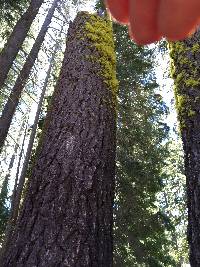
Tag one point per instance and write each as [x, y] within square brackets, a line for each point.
[178, 18]
[143, 21]
[119, 10]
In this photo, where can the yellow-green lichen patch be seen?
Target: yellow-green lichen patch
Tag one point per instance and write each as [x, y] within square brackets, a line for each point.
[99, 32]
[186, 74]
[191, 113]
[195, 48]
[192, 82]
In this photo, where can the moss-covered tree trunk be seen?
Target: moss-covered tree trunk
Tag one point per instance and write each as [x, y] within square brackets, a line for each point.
[186, 73]
[66, 218]
[16, 39]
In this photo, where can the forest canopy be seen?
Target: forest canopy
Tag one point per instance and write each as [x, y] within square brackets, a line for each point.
[91, 168]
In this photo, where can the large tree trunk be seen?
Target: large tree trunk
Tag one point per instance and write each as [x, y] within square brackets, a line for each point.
[186, 73]
[66, 218]
[13, 100]
[17, 38]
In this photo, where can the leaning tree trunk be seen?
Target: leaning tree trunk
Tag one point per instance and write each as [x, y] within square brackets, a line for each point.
[14, 98]
[16, 39]
[186, 73]
[66, 218]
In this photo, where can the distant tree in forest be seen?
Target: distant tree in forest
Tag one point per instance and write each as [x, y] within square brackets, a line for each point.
[10, 12]
[185, 70]
[5, 198]
[4, 206]
[10, 8]
[69, 201]
[173, 200]
[16, 39]
[14, 98]
[17, 195]
[140, 225]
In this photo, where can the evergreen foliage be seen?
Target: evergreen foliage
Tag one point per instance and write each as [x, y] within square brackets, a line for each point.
[173, 200]
[10, 11]
[9, 8]
[139, 223]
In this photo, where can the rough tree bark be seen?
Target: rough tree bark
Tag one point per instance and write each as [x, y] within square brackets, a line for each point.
[16, 39]
[186, 73]
[13, 100]
[66, 218]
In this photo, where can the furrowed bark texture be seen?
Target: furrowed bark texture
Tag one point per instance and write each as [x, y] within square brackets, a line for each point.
[14, 98]
[16, 39]
[186, 73]
[66, 218]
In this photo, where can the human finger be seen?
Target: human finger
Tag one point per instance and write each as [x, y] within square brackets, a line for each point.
[143, 21]
[119, 9]
[177, 18]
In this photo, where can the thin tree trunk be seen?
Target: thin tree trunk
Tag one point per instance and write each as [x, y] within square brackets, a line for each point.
[13, 100]
[186, 73]
[15, 150]
[17, 172]
[19, 183]
[9, 223]
[17, 38]
[66, 218]
[12, 160]
[16, 202]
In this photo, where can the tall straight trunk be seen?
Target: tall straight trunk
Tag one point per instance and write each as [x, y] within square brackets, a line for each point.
[13, 100]
[186, 73]
[12, 160]
[19, 183]
[16, 39]
[10, 222]
[4, 195]
[16, 201]
[18, 170]
[66, 218]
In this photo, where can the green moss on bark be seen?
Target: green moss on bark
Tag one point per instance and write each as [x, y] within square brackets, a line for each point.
[99, 32]
[185, 72]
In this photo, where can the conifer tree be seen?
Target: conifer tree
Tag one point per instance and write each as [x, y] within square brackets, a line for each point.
[16, 201]
[4, 208]
[173, 200]
[4, 194]
[16, 39]
[14, 98]
[140, 225]
[185, 57]
[8, 9]
[66, 217]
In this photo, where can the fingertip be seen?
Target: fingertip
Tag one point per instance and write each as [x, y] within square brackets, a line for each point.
[144, 40]
[119, 9]
[143, 21]
[180, 36]
[177, 19]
